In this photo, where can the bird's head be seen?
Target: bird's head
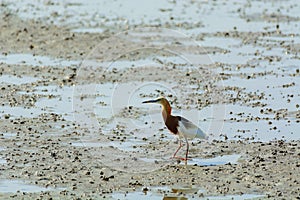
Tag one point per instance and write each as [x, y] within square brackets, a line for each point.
[162, 101]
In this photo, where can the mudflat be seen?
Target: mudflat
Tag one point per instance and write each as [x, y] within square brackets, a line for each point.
[73, 126]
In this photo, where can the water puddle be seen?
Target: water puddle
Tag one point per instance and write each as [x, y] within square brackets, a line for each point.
[269, 88]
[275, 90]
[127, 64]
[13, 186]
[59, 103]
[235, 197]
[219, 160]
[160, 193]
[35, 60]
[106, 103]
[244, 16]
[240, 122]
[178, 193]
[8, 135]
[95, 14]
[236, 52]
[279, 38]
[128, 145]
[2, 161]
[15, 112]
[9, 79]
[101, 101]
[150, 61]
[88, 30]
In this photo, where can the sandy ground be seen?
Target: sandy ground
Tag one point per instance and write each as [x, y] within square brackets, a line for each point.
[41, 154]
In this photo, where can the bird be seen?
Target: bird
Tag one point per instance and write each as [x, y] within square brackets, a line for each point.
[179, 126]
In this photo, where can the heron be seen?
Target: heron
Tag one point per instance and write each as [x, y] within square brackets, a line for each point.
[179, 126]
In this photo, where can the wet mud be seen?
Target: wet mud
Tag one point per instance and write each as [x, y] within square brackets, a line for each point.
[73, 126]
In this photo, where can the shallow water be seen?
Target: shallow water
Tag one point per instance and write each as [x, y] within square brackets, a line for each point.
[129, 145]
[215, 119]
[17, 111]
[240, 17]
[252, 45]
[151, 61]
[7, 135]
[240, 122]
[9, 79]
[235, 197]
[181, 193]
[13, 186]
[34, 60]
[100, 15]
[88, 30]
[60, 103]
[161, 193]
[219, 160]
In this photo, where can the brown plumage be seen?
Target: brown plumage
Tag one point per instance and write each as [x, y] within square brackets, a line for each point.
[172, 123]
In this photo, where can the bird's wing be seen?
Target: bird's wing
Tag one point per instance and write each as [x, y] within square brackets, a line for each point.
[189, 129]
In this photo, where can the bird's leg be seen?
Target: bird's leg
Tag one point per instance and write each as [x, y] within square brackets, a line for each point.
[180, 145]
[187, 150]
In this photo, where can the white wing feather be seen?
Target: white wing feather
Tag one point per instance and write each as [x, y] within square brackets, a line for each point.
[190, 130]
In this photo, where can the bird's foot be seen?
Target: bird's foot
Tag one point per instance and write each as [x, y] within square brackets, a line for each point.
[180, 158]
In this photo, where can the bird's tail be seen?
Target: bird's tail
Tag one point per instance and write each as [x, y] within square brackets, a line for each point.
[200, 134]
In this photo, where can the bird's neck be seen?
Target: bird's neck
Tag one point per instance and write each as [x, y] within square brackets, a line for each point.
[166, 111]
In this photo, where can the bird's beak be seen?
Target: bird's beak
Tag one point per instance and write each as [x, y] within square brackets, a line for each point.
[151, 101]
